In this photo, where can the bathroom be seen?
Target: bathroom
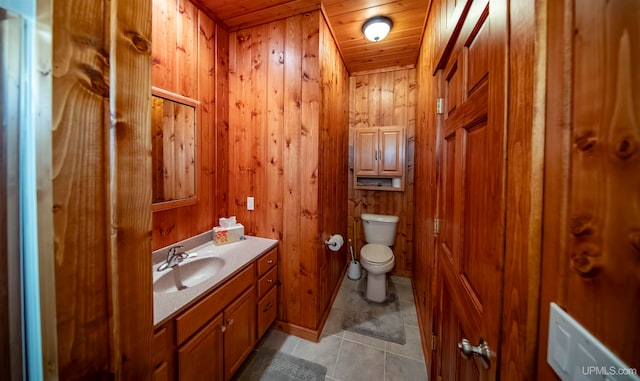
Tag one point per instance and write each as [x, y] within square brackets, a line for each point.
[280, 113]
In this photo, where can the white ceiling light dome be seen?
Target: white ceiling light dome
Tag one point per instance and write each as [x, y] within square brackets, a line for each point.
[377, 28]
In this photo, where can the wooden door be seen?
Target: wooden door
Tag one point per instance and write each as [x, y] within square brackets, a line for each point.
[471, 207]
[391, 151]
[366, 152]
[240, 333]
[200, 358]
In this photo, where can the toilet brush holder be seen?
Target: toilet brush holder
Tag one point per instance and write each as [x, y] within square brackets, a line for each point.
[354, 272]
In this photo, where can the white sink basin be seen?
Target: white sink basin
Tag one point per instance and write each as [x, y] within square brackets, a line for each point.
[189, 273]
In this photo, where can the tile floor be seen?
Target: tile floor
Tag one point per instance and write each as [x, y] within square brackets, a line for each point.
[349, 356]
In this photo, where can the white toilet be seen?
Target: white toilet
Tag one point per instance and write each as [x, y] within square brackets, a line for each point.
[376, 256]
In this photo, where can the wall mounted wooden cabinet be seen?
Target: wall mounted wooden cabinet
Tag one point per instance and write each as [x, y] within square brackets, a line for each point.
[379, 158]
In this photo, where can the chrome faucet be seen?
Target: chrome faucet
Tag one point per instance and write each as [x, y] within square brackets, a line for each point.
[173, 258]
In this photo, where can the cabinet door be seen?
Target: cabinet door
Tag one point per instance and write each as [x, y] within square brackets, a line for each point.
[240, 333]
[366, 152]
[392, 151]
[201, 358]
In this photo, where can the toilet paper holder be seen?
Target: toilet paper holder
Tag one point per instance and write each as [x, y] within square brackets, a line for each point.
[335, 242]
[329, 243]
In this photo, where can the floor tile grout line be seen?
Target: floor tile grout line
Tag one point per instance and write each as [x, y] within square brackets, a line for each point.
[384, 365]
[335, 366]
[367, 345]
[405, 356]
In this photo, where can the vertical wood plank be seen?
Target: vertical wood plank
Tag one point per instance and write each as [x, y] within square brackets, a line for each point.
[373, 100]
[525, 149]
[426, 197]
[164, 41]
[388, 98]
[292, 299]
[221, 160]
[258, 100]
[206, 142]
[79, 188]
[186, 49]
[130, 211]
[273, 221]
[309, 131]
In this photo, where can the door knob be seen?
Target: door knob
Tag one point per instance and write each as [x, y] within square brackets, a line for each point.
[481, 350]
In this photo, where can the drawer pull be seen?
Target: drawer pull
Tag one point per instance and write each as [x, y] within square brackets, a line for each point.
[269, 280]
[267, 307]
[223, 328]
[230, 321]
[270, 261]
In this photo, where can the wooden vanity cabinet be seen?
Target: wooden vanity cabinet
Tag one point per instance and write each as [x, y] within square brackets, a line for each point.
[240, 333]
[267, 292]
[163, 350]
[201, 358]
[211, 339]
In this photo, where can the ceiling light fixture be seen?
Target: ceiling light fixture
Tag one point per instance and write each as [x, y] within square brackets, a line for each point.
[377, 28]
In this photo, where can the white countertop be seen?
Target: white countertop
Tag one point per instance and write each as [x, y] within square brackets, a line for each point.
[236, 256]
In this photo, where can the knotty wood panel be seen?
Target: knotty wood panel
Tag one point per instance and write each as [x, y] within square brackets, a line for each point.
[187, 41]
[520, 302]
[427, 153]
[525, 161]
[377, 99]
[80, 188]
[288, 133]
[102, 212]
[332, 170]
[590, 249]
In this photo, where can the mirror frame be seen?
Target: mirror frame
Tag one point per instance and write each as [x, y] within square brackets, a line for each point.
[165, 205]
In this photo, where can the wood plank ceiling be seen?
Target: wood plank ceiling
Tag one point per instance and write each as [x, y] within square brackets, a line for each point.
[345, 17]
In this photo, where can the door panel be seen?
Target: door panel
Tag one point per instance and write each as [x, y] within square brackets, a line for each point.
[470, 244]
[448, 195]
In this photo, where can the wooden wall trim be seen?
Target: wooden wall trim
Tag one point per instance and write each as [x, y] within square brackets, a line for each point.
[525, 168]
[129, 146]
[43, 60]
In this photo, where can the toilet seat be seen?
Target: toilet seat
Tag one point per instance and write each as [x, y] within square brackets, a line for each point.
[376, 254]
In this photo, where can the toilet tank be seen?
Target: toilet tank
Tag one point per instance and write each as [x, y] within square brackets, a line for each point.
[379, 228]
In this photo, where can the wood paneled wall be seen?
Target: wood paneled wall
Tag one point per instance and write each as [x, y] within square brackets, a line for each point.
[332, 169]
[288, 134]
[190, 56]
[102, 189]
[426, 173]
[384, 98]
[579, 143]
[591, 247]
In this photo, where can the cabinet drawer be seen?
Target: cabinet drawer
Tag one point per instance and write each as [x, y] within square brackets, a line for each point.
[159, 346]
[267, 281]
[267, 261]
[267, 308]
[191, 321]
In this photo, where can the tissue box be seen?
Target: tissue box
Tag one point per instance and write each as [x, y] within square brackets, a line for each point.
[228, 234]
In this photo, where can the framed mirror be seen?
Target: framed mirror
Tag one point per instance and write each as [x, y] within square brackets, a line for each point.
[174, 149]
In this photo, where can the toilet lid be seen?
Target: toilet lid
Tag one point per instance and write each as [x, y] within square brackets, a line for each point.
[376, 253]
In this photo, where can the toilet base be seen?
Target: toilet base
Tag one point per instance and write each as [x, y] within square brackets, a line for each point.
[377, 287]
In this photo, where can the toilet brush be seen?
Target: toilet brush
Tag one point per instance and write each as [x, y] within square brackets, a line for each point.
[354, 267]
